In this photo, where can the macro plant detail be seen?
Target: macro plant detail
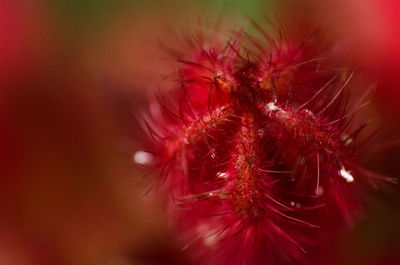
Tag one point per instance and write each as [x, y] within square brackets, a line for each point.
[257, 147]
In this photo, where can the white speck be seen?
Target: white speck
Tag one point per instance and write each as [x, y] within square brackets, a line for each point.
[346, 175]
[309, 112]
[222, 175]
[292, 203]
[142, 158]
[348, 141]
[272, 107]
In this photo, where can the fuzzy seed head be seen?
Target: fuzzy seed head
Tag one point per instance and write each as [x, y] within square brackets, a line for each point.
[253, 145]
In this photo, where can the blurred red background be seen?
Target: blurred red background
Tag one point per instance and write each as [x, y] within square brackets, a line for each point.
[72, 76]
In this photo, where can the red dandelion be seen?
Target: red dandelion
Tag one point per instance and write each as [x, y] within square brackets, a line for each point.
[257, 148]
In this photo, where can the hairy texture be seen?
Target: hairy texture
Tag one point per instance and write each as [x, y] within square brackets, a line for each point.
[255, 149]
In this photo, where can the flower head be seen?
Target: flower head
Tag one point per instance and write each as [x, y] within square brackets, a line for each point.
[254, 147]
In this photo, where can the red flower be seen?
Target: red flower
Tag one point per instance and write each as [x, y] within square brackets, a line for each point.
[255, 148]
